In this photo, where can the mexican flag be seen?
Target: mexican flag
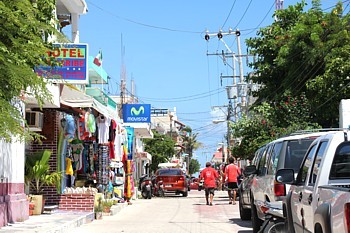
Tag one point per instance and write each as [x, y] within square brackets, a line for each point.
[98, 59]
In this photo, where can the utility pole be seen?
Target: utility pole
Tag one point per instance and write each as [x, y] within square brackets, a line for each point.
[279, 6]
[237, 92]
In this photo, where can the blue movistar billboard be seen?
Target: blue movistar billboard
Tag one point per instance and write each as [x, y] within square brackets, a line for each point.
[137, 113]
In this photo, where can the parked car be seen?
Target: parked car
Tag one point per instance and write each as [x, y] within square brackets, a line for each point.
[319, 198]
[188, 180]
[259, 189]
[194, 183]
[173, 180]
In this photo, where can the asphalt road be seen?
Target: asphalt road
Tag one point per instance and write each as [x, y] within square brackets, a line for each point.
[173, 214]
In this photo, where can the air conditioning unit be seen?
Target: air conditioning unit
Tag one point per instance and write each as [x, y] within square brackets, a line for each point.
[35, 120]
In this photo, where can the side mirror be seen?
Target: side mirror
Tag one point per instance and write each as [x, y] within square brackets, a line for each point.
[285, 176]
[249, 170]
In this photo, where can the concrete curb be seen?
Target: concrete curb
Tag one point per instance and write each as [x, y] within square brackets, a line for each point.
[67, 227]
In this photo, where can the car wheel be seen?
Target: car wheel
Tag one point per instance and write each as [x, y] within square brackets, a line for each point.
[144, 194]
[275, 226]
[256, 221]
[245, 214]
[185, 194]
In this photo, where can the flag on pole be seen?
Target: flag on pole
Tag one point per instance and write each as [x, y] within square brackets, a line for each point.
[98, 59]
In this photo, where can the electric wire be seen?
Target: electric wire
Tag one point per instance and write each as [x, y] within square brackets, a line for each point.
[253, 30]
[334, 5]
[243, 14]
[188, 99]
[184, 97]
[229, 14]
[142, 24]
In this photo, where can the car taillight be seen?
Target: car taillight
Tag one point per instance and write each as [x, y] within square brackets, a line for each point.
[264, 209]
[182, 178]
[347, 217]
[280, 189]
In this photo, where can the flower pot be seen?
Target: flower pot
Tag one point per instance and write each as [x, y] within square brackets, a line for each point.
[38, 201]
[98, 215]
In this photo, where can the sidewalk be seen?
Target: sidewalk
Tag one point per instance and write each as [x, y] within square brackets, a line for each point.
[56, 222]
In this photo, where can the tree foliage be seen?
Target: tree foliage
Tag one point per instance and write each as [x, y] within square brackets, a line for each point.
[303, 70]
[305, 53]
[267, 122]
[190, 143]
[194, 166]
[24, 33]
[161, 147]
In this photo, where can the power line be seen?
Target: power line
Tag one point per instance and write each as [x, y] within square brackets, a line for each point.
[143, 24]
[254, 29]
[187, 99]
[229, 14]
[243, 14]
[184, 97]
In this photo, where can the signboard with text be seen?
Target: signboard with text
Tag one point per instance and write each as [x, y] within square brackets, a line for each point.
[137, 113]
[74, 64]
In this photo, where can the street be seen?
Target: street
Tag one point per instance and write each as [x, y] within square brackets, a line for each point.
[173, 214]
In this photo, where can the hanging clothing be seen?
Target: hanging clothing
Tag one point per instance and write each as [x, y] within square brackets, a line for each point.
[112, 136]
[103, 129]
[77, 152]
[70, 128]
[69, 167]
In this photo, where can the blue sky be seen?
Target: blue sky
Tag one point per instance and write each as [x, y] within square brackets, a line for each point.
[165, 52]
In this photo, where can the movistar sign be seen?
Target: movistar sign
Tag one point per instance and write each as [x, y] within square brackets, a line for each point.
[137, 113]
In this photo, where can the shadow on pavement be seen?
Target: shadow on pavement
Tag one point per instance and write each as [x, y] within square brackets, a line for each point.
[240, 222]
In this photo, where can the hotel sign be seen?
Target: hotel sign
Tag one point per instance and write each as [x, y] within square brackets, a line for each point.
[74, 64]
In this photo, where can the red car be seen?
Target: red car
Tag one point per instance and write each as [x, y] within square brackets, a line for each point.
[172, 180]
[194, 183]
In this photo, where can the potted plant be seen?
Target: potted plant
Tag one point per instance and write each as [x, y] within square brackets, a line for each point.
[37, 175]
[107, 204]
[98, 209]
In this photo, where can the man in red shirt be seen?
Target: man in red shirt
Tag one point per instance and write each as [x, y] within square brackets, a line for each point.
[231, 174]
[210, 175]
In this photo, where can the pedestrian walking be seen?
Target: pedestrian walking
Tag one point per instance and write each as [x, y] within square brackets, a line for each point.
[231, 174]
[210, 175]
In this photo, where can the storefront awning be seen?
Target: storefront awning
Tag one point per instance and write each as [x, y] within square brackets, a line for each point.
[97, 75]
[141, 130]
[32, 102]
[143, 156]
[77, 99]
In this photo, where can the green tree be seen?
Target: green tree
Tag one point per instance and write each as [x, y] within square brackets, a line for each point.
[190, 144]
[267, 122]
[194, 166]
[304, 53]
[24, 33]
[161, 147]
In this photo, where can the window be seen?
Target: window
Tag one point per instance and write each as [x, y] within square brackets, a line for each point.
[275, 154]
[341, 163]
[295, 153]
[317, 162]
[169, 172]
[307, 164]
[258, 155]
[262, 163]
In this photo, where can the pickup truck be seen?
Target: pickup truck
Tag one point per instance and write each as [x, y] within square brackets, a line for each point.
[319, 197]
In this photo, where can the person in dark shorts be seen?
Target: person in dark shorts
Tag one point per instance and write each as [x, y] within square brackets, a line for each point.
[231, 174]
[209, 175]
